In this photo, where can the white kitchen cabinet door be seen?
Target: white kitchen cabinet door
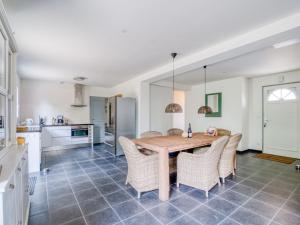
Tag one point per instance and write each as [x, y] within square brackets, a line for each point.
[9, 203]
[60, 132]
[61, 141]
[33, 139]
[80, 140]
[46, 138]
[19, 194]
[25, 188]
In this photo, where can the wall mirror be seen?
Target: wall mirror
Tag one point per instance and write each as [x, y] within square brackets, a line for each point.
[214, 101]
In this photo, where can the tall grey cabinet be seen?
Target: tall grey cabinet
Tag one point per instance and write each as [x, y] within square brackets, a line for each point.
[120, 121]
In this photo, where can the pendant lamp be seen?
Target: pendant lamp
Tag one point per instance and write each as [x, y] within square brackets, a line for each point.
[173, 107]
[204, 109]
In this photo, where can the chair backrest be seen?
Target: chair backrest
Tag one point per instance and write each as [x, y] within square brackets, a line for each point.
[130, 150]
[213, 154]
[223, 132]
[174, 131]
[149, 134]
[232, 144]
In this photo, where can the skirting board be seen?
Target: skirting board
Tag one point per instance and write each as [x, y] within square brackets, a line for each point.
[249, 151]
[55, 148]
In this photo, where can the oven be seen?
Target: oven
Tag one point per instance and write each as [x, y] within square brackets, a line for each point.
[79, 131]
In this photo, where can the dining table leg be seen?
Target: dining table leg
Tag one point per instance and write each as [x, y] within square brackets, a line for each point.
[164, 176]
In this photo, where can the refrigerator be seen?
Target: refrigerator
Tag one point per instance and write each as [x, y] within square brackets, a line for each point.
[120, 121]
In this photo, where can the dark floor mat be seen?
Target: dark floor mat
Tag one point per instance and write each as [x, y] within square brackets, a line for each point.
[32, 182]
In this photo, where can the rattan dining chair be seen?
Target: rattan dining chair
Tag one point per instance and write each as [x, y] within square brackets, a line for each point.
[228, 157]
[142, 170]
[220, 132]
[149, 134]
[201, 170]
[223, 132]
[174, 131]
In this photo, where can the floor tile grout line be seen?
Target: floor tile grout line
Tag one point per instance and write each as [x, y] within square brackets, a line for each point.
[281, 208]
[120, 219]
[75, 198]
[246, 203]
[247, 177]
[273, 195]
[117, 191]
[143, 206]
[129, 195]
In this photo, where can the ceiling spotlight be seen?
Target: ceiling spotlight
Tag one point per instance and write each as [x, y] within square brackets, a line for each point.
[286, 43]
[79, 78]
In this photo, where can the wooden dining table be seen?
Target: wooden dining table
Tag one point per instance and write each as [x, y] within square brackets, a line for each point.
[164, 145]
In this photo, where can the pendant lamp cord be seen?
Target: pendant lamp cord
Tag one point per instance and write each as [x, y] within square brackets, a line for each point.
[173, 78]
[204, 80]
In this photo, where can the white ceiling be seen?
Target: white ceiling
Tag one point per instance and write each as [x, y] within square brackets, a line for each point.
[112, 41]
[258, 63]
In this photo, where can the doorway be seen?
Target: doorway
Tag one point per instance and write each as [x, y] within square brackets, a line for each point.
[97, 117]
[281, 120]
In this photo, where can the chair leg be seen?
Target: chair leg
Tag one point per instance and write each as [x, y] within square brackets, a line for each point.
[235, 162]
[126, 182]
[219, 182]
[139, 194]
[206, 194]
[223, 180]
[177, 184]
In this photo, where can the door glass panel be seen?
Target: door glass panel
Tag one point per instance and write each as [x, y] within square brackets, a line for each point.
[283, 94]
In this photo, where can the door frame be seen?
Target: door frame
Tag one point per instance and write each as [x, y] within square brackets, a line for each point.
[263, 107]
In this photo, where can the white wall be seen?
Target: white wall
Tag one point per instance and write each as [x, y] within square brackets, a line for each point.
[49, 99]
[234, 107]
[255, 102]
[139, 90]
[179, 118]
[160, 97]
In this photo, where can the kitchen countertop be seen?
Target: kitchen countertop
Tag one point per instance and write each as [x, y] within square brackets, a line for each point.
[70, 124]
[30, 131]
[39, 128]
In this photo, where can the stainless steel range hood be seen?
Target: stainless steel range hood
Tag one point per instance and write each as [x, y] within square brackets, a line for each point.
[79, 96]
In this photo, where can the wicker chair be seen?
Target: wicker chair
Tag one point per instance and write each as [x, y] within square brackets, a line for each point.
[174, 131]
[220, 132]
[149, 134]
[227, 160]
[142, 170]
[223, 132]
[201, 170]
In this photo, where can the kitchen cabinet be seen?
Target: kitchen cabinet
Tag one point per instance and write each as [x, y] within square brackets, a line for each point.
[9, 216]
[61, 141]
[60, 136]
[33, 139]
[14, 196]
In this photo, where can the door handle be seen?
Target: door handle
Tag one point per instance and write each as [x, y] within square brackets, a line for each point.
[266, 123]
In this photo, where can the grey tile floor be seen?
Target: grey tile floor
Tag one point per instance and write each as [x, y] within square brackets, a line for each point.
[87, 188]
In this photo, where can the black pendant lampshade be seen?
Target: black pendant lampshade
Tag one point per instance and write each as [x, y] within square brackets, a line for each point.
[204, 109]
[173, 107]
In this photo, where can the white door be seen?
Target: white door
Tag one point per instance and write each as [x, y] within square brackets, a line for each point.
[281, 125]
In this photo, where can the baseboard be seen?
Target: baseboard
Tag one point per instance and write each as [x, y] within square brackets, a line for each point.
[249, 151]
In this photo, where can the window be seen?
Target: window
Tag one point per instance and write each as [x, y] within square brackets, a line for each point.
[10, 101]
[283, 94]
[3, 56]
[2, 121]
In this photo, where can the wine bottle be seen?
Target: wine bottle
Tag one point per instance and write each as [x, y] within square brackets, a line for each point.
[190, 133]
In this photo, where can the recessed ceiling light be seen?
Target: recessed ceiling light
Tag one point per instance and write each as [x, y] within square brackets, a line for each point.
[79, 78]
[286, 43]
